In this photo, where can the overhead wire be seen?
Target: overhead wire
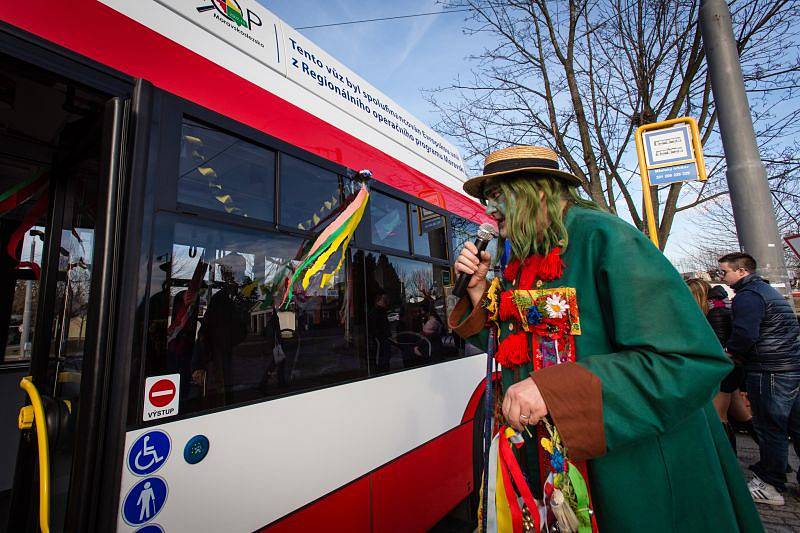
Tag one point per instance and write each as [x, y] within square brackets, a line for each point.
[462, 10]
[384, 18]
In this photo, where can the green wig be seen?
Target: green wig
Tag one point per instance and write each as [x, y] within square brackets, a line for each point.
[523, 214]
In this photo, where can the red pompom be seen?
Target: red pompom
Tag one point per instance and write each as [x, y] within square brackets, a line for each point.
[508, 309]
[552, 267]
[510, 273]
[513, 350]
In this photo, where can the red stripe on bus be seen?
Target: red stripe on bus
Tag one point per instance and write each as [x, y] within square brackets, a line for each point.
[415, 491]
[108, 37]
[410, 493]
[346, 509]
[477, 394]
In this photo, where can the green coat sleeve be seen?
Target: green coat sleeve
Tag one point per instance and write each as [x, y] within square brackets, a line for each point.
[664, 363]
[667, 362]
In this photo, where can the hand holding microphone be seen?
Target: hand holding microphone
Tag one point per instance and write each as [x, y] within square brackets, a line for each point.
[473, 264]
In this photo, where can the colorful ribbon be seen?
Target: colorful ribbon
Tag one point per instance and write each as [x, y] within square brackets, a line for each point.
[506, 486]
[336, 235]
[582, 497]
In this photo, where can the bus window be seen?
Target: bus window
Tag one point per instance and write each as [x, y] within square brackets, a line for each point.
[405, 313]
[224, 173]
[215, 317]
[309, 194]
[428, 233]
[389, 222]
[464, 230]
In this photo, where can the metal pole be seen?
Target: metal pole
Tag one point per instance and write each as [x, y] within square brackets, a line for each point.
[27, 309]
[747, 179]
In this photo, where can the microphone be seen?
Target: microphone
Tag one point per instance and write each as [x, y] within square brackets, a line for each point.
[486, 232]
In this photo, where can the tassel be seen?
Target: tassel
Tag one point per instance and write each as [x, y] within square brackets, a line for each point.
[552, 267]
[565, 516]
[508, 309]
[510, 272]
[513, 350]
[530, 271]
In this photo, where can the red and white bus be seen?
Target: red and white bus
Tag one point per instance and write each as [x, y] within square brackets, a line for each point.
[163, 165]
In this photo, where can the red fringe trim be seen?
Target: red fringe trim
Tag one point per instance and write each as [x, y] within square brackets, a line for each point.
[508, 309]
[513, 350]
[536, 267]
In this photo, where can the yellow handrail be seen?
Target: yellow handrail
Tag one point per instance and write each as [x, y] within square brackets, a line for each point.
[37, 410]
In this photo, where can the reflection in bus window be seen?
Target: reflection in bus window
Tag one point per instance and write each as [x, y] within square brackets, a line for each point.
[428, 233]
[215, 318]
[224, 173]
[389, 222]
[464, 230]
[405, 313]
[309, 194]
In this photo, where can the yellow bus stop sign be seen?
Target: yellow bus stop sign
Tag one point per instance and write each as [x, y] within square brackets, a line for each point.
[669, 152]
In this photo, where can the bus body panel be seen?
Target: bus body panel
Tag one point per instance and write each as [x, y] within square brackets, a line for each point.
[268, 459]
[243, 89]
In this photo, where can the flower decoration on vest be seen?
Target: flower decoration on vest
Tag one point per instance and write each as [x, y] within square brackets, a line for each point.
[534, 316]
[546, 321]
[556, 306]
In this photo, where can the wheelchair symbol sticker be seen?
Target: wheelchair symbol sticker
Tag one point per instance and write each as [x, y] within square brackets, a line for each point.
[149, 453]
[144, 501]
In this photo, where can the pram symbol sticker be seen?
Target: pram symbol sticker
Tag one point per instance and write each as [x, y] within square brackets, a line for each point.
[149, 453]
[144, 501]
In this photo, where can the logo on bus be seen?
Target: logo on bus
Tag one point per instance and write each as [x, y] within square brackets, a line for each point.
[231, 10]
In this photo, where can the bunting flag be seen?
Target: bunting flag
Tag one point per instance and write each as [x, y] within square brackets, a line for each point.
[335, 236]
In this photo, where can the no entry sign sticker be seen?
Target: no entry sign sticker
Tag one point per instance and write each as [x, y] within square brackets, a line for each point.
[161, 396]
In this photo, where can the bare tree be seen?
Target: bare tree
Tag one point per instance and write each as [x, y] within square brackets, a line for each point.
[582, 75]
[715, 217]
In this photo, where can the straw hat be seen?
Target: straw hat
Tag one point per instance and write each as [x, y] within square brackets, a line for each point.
[534, 161]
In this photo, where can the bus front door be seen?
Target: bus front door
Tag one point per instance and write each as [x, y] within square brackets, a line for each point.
[54, 154]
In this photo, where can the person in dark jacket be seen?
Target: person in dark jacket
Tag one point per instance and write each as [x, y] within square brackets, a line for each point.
[711, 301]
[764, 335]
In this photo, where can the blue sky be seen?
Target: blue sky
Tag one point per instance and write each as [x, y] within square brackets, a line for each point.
[399, 57]
[404, 57]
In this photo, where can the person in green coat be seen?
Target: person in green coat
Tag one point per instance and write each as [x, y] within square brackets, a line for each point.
[599, 336]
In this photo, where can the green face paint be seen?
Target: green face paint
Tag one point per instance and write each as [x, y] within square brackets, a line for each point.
[495, 202]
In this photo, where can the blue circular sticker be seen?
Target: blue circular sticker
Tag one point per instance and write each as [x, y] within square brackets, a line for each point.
[196, 449]
[150, 528]
[144, 501]
[149, 453]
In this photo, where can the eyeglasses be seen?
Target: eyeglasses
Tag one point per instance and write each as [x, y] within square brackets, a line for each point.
[491, 195]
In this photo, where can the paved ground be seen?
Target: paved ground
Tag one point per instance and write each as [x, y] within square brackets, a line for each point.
[775, 519]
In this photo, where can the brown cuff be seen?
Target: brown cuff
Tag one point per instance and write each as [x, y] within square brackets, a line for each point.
[574, 400]
[470, 325]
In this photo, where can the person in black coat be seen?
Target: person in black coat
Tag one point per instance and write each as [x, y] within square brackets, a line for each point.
[712, 302]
